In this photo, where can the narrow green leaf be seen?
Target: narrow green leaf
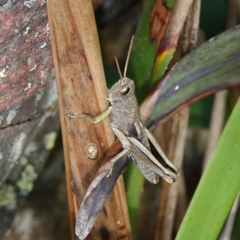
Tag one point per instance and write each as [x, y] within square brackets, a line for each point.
[170, 3]
[218, 187]
[134, 185]
[143, 54]
[161, 64]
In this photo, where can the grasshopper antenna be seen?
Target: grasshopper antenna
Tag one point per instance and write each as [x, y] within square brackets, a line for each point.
[118, 68]
[128, 56]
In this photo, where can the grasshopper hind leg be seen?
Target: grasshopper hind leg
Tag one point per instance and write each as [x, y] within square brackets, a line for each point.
[148, 173]
[126, 145]
[144, 165]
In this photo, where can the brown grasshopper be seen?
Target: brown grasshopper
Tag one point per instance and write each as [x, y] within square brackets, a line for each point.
[138, 142]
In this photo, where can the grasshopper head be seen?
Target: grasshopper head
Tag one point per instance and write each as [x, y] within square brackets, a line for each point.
[121, 90]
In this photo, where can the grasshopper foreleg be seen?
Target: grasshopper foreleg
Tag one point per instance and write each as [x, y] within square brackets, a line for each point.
[95, 120]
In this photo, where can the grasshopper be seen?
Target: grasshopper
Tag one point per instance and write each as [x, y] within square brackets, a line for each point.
[137, 141]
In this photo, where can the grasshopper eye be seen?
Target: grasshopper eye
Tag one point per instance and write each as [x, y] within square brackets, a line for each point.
[124, 90]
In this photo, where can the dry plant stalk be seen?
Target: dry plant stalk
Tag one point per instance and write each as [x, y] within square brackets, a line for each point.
[169, 194]
[176, 23]
[82, 89]
[216, 124]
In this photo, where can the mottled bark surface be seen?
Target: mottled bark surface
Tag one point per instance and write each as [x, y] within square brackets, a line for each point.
[28, 101]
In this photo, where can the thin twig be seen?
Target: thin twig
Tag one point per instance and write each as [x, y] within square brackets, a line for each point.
[227, 230]
[169, 194]
[216, 124]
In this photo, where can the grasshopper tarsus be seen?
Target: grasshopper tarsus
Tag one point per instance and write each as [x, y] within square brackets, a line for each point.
[74, 116]
[155, 181]
[110, 171]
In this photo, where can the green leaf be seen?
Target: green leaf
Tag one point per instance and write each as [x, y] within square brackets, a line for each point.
[161, 64]
[143, 54]
[214, 65]
[134, 181]
[170, 3]
[218, 187]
